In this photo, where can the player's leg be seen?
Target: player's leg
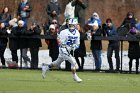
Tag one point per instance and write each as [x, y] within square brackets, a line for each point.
[73, 68]
[109, 58]
[45, 67]
[130, 65]
[137, 65]
[78, 62]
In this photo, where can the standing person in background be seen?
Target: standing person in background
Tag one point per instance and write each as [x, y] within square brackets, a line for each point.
[3, 43]
[133, 50]
[17, 43]
[23, 13]
[96, 46]
[80, 6]
[113, 45]
[34, 44]
[130, 20]
[5, 17]
[52, 42]
[81, 51]
[53, 11]
[134, 53]
[69, 10]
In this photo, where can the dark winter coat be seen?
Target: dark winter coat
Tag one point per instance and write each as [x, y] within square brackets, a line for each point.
[53, 7]
[80, 11]
[112, 32]
[34, 42]
[3, 40]
[134, 50]
[5, 18]
[128, 21]
[63, 27]
[16, 42]
[81, 51]
[52, 44]
[96, 44]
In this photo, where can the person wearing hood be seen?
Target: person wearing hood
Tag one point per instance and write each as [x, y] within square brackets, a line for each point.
[53, 10]
[130, 20]
[91, 20]
[94, 17]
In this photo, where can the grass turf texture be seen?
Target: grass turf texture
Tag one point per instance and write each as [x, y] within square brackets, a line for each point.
[30, 81]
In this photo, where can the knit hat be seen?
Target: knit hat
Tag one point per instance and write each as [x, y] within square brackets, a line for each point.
[108, 20]
[20, 22]
[52, 27]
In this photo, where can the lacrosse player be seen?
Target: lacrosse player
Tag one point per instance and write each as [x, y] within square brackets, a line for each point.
[69, 39]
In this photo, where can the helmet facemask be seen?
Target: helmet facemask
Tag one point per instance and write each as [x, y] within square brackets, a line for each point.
[72, 27]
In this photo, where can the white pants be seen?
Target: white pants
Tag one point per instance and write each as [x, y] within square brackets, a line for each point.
[64, 55]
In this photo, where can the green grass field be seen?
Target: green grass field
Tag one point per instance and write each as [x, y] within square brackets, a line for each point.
[30, 81]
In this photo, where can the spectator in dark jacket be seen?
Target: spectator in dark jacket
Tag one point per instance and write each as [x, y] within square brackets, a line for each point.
[3, 43]
[52, 42]
[53, 11]
[113, 45]
[96, 46]
[64, 26]
[34, 44]
[81, 51]
[5, 17]
[23, 12]
[80, 6]
[16, 42]
[133, 51]
[130, 20]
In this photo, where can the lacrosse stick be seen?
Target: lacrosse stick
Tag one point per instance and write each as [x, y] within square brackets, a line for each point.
[71, 55]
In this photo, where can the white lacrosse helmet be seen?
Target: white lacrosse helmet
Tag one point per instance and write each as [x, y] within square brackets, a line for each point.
[72, 24]
[73, 21]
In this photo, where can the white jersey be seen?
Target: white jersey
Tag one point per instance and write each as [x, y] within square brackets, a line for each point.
[69, 39]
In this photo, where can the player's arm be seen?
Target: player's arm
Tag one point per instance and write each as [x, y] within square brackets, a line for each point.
[61, 39]
[77, 42]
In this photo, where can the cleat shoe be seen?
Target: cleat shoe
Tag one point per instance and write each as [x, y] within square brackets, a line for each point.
[77, 79]
[45, 69]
